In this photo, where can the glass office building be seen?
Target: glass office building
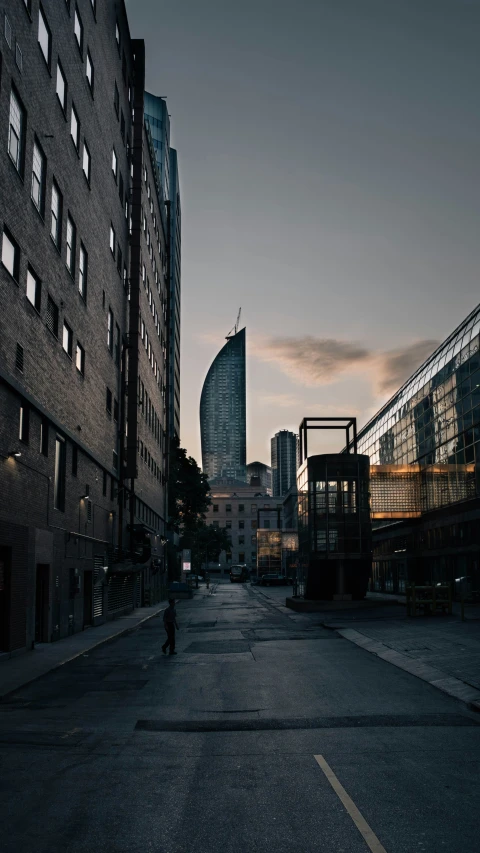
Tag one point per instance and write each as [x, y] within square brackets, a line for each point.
[223, 413]
[430, 431]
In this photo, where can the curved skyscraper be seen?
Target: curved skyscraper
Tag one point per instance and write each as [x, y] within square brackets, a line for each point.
[223, 413]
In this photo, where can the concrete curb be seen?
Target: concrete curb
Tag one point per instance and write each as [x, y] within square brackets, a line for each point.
[125, 630]
[454, 687]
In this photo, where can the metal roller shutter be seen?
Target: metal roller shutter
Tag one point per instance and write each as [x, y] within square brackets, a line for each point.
[120, 592]
[98, 563]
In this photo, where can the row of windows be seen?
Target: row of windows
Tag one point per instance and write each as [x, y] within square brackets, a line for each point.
[45, 43]
[149, 461]
[149, 413]
[144, 513]
[253, 507]
[59, 490]
[11, 262]
[38, 192]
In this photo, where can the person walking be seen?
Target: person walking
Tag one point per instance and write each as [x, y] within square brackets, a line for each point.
[170, 622]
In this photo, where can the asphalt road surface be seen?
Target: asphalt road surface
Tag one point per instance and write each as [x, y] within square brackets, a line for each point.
[266, 733]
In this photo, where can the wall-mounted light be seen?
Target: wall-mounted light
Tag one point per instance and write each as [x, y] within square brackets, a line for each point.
[84, 497]
[16, 453]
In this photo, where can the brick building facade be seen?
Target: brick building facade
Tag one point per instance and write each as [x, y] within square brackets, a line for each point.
[83, 280]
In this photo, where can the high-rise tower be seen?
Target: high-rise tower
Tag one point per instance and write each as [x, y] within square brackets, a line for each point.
[223, 413]
[284, 461]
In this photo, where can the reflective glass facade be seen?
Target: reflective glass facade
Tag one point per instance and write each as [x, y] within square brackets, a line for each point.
[434, 420]
[223, 413]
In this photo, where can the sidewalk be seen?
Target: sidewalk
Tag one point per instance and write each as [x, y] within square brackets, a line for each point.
[441, 650]
[16, 672]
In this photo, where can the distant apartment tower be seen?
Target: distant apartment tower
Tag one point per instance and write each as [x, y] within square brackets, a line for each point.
[284, 461]
[158, 120]
[259, 474]
[223, 413]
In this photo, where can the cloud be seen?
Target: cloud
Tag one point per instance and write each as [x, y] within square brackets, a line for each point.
[309, 360]
[395, 366]
[283, 401]
[319, 361]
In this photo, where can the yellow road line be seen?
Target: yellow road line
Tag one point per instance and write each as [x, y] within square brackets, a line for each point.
[368, 834]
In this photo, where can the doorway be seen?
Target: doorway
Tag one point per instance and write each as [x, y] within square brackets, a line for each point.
[5, 561]
[42, 602]
[87, 599]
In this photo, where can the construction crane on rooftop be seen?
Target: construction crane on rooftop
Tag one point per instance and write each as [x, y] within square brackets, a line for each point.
[235, 328]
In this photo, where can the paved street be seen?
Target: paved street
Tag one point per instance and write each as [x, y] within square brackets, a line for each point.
[124, 750]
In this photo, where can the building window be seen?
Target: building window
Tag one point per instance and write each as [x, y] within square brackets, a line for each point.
[16, 131]
[117, 345]
[87, 162]
[44, 437]
[90, 72]
[117, 35]
[80, 359]
[10, 255]
[115, 410]
[241, 540]
[253, 508]
[108, 401]
[115, 460]
[8, 31]
[34, 289]
[104, 489]
[116, 99]
[110, 330]
[228, 507]
[24, 423]
[112, 240]
[38, 177]
[120, 188]
[75, 128]
[119, 259]
[60, 471]
[241, 507]
[56, 223]
[82, 272]
[19, 358]
[78, 29]
[18, 57]
[122, 125]
[74, 460]
[67, 339]
[254, 525]
[215, 507]
[241, 525]
[44, 36]
[266, 524]
[61, 87]
[94, 6]
[228, 525]
[71, 241]
[114, 164]
[241, 557]
[52, 316]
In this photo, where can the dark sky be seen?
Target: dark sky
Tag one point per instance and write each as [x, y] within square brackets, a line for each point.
[329, 156]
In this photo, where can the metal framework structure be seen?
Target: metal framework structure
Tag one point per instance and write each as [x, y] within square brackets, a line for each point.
[348, 424]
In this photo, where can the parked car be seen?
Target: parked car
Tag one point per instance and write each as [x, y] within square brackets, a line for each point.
[272, 579]
[196, 578]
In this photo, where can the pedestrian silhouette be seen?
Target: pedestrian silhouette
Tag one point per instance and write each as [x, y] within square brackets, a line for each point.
[170, 622]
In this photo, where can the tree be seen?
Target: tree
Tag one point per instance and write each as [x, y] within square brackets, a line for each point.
[188, 490]
[205, 542]
[188, 502]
